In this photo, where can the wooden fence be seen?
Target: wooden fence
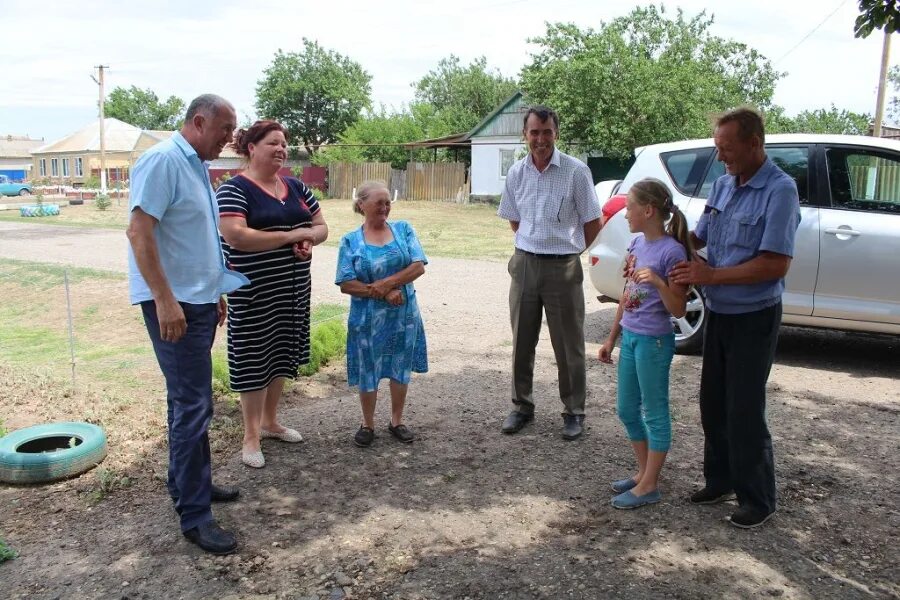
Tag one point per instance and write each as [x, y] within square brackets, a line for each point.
[344, 177]
[420, 181]
[437, 182]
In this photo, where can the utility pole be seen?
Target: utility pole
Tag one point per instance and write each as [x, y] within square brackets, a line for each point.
[99, 81]
[882, 84]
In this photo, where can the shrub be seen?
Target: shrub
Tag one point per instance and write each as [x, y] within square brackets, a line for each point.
[6, 553]
[92, 182]
[3, 430]
[102, 201]
[221, 179]
[318, 194]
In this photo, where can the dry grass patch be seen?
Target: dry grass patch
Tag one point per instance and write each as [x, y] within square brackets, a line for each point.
[444, 228]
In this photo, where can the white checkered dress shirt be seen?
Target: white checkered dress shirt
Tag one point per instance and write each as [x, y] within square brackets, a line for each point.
[550, 207]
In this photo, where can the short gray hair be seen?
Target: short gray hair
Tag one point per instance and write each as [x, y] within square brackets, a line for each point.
[207, 105]
[366, 189]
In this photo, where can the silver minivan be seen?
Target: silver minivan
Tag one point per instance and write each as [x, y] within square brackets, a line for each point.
[845, 273]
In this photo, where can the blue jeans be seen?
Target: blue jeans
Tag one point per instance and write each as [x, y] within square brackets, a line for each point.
[187, 368]
[643, 402]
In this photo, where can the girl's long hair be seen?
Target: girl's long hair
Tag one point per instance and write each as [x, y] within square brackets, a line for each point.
[655, 193]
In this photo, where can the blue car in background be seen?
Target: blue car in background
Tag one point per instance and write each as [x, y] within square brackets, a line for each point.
[8, 188]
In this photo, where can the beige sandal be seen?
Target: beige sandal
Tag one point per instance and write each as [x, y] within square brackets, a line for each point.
[292, 436]
[253, 459]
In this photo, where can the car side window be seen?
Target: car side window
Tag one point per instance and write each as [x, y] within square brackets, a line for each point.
[686, 167]
[864, 179]
[793, 160]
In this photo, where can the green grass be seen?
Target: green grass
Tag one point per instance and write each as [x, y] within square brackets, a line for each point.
[6, 553]
[46, 275]
[3, 429]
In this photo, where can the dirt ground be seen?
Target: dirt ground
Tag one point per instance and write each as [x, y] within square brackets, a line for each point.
[466, 512]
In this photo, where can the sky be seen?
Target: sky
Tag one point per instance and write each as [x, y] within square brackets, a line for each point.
[191, 47]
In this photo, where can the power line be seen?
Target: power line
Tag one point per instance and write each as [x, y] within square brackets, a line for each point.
[814, 29]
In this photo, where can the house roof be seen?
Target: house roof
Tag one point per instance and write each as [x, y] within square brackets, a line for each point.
[12, 146]
[504, 107]
[454, 139]
[119, 137]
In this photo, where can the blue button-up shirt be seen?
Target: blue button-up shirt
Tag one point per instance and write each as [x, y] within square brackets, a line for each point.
[170, 183]
[738, 223]
[550, 206]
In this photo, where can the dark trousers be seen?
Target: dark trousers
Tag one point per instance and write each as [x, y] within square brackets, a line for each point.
[738, 351]
[187, 368]
[551, 285]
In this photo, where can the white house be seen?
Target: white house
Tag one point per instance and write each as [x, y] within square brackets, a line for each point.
[496, 145]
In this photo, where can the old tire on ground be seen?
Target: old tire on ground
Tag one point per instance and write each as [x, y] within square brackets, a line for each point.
[50, 452]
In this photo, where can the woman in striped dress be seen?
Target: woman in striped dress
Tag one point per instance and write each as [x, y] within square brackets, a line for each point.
[269, 224]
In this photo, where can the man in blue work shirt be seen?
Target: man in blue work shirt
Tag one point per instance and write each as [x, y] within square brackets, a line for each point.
[177, 274]
[748, 228]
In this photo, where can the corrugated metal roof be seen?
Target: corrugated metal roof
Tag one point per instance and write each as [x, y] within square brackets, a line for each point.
[18, 146]
[120, 137]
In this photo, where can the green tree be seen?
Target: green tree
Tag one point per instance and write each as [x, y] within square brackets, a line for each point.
[461, 95]
[643, 78]
[832, 120]
[316, 94]
[876, 14]
[143, 108]
[378, 137]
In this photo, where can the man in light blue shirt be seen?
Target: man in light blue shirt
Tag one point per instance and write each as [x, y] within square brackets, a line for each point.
[177, 274]
[748, 228]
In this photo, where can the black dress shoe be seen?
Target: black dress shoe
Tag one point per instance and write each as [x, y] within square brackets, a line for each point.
[748, 518]
[573, 426]
[224, 493]
[212, 538]
[516, 421]
[711, 496]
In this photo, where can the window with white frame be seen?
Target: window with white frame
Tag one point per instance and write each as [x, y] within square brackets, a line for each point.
[79, 167]
[65, 171]
[507, 158]
[42, 167]
[54, 167]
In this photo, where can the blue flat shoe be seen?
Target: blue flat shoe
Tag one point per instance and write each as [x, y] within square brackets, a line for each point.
[628, 500]
[623, 485]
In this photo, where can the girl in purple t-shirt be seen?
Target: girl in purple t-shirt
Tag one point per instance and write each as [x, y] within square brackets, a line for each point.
[648, 340]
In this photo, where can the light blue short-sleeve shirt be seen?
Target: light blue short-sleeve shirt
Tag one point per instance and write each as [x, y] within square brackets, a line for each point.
[738, 223]
[170, 183]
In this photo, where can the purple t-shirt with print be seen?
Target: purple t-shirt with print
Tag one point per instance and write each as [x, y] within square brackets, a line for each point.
[644, 312]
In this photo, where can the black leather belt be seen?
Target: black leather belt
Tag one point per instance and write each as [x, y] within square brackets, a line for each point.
[545, 256]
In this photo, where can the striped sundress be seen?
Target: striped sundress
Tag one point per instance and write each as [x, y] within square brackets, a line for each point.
[268, 320]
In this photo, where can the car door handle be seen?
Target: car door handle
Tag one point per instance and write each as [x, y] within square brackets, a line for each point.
[841, 231]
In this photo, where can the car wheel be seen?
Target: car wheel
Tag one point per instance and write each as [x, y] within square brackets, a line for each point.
[24, 192]
[689, 328]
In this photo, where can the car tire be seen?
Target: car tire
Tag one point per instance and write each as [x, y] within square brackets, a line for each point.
[44, 453]
[24, 192]
[689, 329]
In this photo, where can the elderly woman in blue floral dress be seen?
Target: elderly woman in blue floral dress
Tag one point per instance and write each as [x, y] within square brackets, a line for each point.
[377, 264]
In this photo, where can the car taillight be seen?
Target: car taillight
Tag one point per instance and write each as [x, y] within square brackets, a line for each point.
[613, 205]
[594, 260]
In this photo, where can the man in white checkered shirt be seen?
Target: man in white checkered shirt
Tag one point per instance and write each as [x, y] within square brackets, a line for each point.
[550, 203]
